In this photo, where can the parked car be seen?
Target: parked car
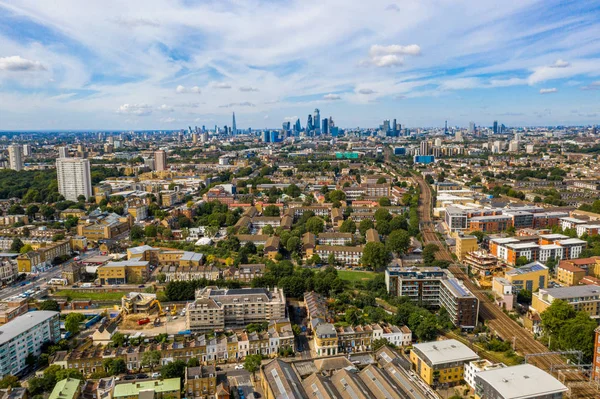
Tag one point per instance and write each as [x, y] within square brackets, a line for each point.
[239, 367]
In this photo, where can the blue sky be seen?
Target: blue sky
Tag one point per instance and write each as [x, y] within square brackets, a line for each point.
[154, 64]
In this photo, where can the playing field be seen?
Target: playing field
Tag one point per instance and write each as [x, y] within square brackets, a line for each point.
[94, 296]
[353, 276]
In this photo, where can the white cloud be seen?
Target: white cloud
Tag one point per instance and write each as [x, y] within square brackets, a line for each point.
[266, 117]
[64, 96]
[196, 89]
[168, 120]
[292, 119]
[248, 88]
[180, 89]
[135, 109]
[331, 97]
[411, 49]
[135, 22]
[461, 84]
[241, 104]
[592, 86]
[366, 91]
[548, 91]
[392, 7]
[16, 63]
[560, 63]
[166, 108]
[221, 85]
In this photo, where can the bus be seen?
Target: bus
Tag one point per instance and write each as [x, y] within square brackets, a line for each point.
[58, 281]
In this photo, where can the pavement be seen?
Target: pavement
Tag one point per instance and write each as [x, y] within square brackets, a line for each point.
[242, 380]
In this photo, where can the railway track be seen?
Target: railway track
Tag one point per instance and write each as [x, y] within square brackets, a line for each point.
[494, 317]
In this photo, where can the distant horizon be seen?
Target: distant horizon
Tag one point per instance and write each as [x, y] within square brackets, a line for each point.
[154, 66]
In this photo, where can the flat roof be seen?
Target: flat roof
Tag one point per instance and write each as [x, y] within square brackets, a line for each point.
[521, 382]
[126, 263]
[575, 291]
[447, 351]
[67, 388]
[134, 388]
[23, 323]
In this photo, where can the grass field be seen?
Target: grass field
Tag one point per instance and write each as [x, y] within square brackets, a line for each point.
[353, 276]
[94, 296]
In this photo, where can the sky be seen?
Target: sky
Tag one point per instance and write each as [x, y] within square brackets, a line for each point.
[154, 64]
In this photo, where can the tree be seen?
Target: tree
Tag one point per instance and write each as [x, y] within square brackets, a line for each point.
[118, 339]
[9, 381]
[50, 305]
[331, 259]
[293, 243]
[398, 242]
[72, 322]
[382, 214]
[551, 264]
[555, 316]
[429, 253]
[337, 195]
[16, 245]
[68, 373]
[578, 334]
[271, 210]
[26, 248]
[15, 209]
[193, 362]
[268, 229]
[479, 234]
[151, 359]
[352, 316]
[115, 366]
[375, 256]
[136, 232]
[522, 260]
[174, 369]
[161, 278]
[348, 226]
[32, 210]
[385, 201]
[293, 190]
[151, 231]
[252, 363]
[524, 297]
[383, 227]
[379, 343]
[365, 225]
[315, 225]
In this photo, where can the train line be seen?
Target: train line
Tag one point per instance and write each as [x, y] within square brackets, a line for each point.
[498, 321]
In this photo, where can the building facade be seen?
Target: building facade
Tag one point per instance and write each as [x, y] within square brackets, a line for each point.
[74, 178]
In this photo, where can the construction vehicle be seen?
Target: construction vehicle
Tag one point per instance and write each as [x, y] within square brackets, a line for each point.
[174, 310]
[157, 322]
[156, 303]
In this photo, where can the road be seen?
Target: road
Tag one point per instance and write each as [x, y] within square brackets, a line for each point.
[494, 317]
[42, 278]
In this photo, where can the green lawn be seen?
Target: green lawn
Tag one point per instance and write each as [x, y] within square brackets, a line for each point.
[353, 276]
[94, 296]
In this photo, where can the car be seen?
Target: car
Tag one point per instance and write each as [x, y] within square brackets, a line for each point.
[129, 377]
[141, 286]
[239, 367]
[141, 376]
[156, 375]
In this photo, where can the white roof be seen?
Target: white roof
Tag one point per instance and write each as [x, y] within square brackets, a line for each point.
[447, 351]
[23, 323]
[521, 382]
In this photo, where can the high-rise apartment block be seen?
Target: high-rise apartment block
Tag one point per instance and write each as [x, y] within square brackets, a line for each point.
[74, 178]
[160, 160]
[15, 157]
[63, 152]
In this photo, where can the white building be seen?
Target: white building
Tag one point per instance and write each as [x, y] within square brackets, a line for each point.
[477, 366]
[524, 381]
[26, 150]
[25, 335]
[63, 152]
[15, 157]
[399, 336]
[74, 178]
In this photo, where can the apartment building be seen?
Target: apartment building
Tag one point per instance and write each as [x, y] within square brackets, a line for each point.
[521, 381]
[190, 273]
[217, 309]
[200, 382]
[569, 274]
[441, 362]
[124, 272]
[334, 239]
[434, 287]
[530, 277]
[344, 255]
[582, 297]
[45, 253]
[103, 225]
[245, 272]
[464, 245]
[11, 308]
[540, 248]
[26, 335]
[74, 178]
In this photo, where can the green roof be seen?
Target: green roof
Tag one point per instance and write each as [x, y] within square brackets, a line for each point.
[65, 389]
[134, 388]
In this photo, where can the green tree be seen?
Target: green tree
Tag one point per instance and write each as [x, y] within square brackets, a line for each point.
[268, 229]
[193, 362]
[382, 214]
[72, 322]
[380, 343]
[365, 225]
[522, 260]
[293, 190]
[293, 244]
[15, 209]
[9, 381]
[174, 369]
[151, 359]
[555, 316]
[161, 278]
[271, 210]
[524, 297]
[348, 226]
[69, 373]
[136, 233]
[26, 248]
[337, 195]
[50, 305]
[398, 241]
[252, 363]
[151, 231]
[375, 256]
[32, 210]
[315, 225]
[331, 259]
[118, 339]
[385, 201]
[115, 366]
[429, 253]
[578, 333]
[16, 245]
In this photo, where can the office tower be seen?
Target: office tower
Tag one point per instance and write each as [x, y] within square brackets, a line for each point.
[395, 128]
[298, 126]
[274, 136]
[495, 127]
[386, 126]
[15, 157]
[233, 126]
[501, 129]
[446, 127]
[513, 146]
[309, 123]
[458, 136]
[74, 178]
[204, 137]
[325, 128]
[26, 150]
[424, 148]
[194, 138]
[265, 136]
[594, 130]
[160, 160]
[317, 121]
[437, 142]
[471, 127]
[111, 140]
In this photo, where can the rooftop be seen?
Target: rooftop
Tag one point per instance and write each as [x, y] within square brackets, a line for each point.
[65, 389]
[134, 388]
[521, 382]
[23, 323]
[447, 351]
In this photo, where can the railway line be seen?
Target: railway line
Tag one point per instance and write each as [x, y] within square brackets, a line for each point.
[494, 317]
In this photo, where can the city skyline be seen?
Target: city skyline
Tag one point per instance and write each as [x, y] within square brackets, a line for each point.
[166, 66]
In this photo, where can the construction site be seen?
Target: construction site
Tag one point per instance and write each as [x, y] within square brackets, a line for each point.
[143, 312]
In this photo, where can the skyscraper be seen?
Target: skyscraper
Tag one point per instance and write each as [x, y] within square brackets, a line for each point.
[15, 157]
[233, 126]
[309, 124]
[26, 150]
[298, 126]
[325, 128]
[317, 121]
[471, 127]
[63, 152]
[446, 127]
[395, 128]
[424, 148]
[74, 178]
[160, 160]
[495, 128]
